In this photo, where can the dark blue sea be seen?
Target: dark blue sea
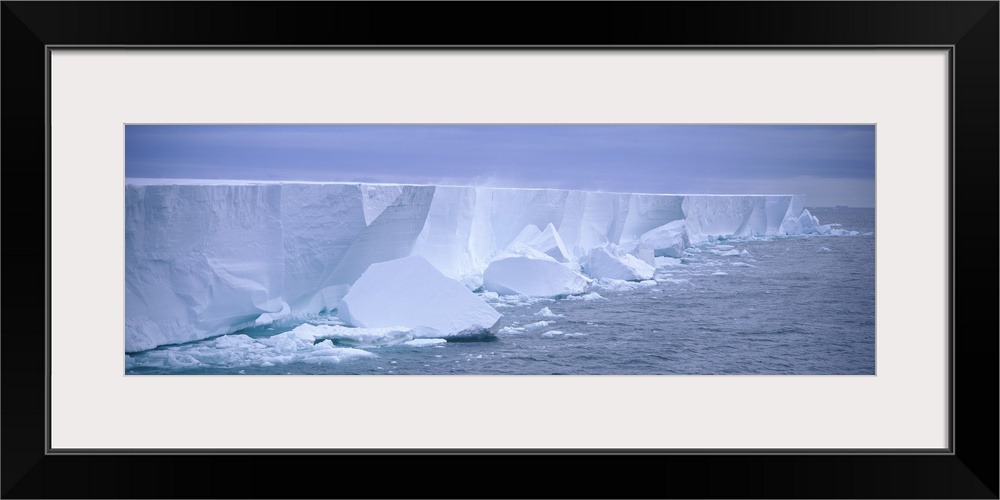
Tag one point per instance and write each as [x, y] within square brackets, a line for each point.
[789, 305]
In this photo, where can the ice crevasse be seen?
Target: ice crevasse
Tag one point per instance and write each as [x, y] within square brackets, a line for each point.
[204, 258]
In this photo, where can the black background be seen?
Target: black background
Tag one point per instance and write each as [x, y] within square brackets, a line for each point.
[971, 472]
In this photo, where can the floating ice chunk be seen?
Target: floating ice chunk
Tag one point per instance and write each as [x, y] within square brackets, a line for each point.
[641, 250]
[610, 261]
[727, 253]
[412, 293]
[536, 325]
[741, 264]
[326, 353]
[355, 337]
[667, 262]
[424, 342]
[720, 273]
[824, 250]
[511, 329]
[525, 271]
[805, 223]
[613, 285]
[811, 225]
[587, 296]
[236, 350]
[547, 313]
[574, 334]
[668, 240]
[552, 333]
[745, 253]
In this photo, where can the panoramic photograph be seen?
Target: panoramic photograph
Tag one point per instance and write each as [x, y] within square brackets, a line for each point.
[387, 250]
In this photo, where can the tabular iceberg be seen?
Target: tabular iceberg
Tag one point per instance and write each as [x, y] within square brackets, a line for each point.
[204, 258]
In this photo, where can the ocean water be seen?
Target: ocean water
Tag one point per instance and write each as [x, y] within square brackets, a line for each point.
[789, 305]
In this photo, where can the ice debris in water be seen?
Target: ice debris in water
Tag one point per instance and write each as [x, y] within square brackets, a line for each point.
[304, 344]
[561, 334]
[424, 342]
[536, 325]
[824, 250]
[587, 296]
[547, 313]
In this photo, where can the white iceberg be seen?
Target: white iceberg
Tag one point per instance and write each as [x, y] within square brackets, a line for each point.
[668, 240]
[611, 262]
[526, 271]
[642, 250]
[411, 293]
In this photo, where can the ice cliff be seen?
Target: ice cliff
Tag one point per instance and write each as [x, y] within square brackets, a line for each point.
[203, 258]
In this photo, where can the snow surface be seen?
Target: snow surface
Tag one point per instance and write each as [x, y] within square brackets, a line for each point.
[412, 293]
[209, 257]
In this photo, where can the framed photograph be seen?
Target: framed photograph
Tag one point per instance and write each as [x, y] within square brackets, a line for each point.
[724, 254]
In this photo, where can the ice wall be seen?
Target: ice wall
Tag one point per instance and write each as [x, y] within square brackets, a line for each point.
[204, 258]
[200, 260]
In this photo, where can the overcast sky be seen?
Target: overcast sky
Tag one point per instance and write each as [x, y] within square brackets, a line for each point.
[831, 165]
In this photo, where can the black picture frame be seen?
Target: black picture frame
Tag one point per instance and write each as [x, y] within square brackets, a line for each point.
[968, 470]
